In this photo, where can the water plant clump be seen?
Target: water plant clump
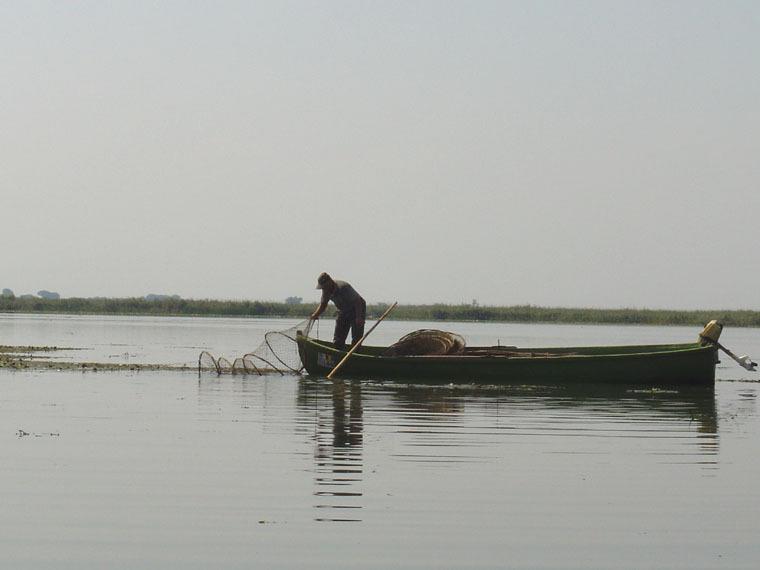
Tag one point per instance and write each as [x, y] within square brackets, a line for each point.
[34, 357]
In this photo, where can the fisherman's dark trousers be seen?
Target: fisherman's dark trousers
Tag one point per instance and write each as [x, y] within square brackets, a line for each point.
[345, 320]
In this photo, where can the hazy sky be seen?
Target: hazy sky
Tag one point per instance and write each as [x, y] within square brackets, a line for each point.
[600, 154]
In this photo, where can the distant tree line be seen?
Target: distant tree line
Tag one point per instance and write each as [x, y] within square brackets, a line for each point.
[173, 305]
[8, 293]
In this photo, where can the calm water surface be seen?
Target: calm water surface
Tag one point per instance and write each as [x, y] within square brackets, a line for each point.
[169, 470]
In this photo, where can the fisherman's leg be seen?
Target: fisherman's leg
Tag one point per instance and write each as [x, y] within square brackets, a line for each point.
[357, 324]
[342, 325]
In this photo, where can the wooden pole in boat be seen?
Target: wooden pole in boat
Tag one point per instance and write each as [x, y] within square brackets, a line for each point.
[360, 341]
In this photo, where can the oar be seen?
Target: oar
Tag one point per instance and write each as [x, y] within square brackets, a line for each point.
[361, 340]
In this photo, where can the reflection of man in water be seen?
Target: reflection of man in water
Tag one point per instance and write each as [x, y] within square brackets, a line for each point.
[338, 453]
[347, 434]
[352, 309]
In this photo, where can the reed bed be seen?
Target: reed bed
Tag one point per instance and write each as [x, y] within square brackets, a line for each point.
[432, 312]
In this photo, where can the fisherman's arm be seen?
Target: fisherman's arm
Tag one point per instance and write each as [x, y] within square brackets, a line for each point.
[321, 309]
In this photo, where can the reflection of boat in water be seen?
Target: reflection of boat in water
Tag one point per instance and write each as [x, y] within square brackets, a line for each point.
[694, 405]
[455, 426]
[653, 365]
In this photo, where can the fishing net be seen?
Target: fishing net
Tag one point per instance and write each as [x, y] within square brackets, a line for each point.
[427, 342]
[277, 354]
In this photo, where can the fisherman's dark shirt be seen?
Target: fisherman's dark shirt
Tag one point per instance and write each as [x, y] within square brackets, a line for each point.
[345, 297]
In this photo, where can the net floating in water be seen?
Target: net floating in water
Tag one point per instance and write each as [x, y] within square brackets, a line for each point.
[277, 354]
[427, 342]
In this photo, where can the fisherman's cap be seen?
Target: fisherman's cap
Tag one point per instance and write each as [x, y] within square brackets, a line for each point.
[322, 280]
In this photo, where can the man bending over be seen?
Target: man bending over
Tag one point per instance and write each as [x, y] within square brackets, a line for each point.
[352, 309]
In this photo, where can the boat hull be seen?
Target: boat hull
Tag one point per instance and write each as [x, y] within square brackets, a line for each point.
[654, 365]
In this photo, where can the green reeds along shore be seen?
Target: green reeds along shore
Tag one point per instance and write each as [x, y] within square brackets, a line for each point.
[433, 312]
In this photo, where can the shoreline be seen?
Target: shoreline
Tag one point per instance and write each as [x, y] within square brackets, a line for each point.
[528, 314]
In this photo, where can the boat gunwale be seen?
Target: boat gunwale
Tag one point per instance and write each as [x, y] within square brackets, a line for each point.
[541, 353]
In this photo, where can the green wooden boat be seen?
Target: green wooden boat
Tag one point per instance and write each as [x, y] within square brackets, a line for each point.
[652, 365]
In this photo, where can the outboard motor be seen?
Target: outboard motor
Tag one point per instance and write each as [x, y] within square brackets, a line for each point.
[710, 335]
